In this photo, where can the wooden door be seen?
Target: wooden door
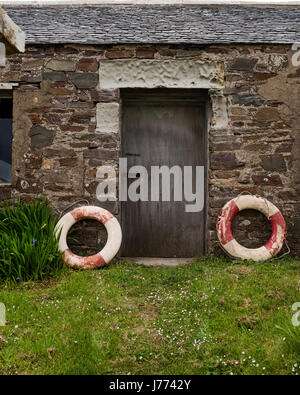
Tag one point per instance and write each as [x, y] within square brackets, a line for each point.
[163, 127]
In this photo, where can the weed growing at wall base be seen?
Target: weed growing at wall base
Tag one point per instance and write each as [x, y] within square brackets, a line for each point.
[28, 248]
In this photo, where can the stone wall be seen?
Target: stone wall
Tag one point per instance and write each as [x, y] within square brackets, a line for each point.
[58, 144]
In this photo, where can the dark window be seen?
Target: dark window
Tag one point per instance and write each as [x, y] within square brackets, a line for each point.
[5, 138]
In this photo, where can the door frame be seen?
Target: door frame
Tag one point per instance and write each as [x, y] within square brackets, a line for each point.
[188, 94]
[116, 74]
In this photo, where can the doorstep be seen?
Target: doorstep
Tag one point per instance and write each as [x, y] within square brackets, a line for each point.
[149, 261]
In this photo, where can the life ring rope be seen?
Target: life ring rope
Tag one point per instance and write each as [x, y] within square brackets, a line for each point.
[228, 242]
[109, 251]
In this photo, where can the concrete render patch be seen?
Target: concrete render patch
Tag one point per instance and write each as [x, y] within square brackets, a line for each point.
[108, 118]
[188, 74]
[144, 73]
[219, 110]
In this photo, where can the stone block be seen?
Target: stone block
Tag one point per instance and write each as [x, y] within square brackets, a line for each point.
[60, 65]
[119, 53]
[55, 76]
[225, 160]
[267, 180]
[41, 137]
[68, 162]
[84, 80]
[100, 153]
[242, 64]
[108, 118]
[267, 114]
[145, 53]
[247, 100]
[87, 64]
[273, 162]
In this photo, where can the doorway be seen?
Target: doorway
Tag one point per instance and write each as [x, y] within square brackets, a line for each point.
[164, 127]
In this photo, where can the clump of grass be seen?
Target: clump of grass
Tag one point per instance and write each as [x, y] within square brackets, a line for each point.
[291, 337]
[28, 247]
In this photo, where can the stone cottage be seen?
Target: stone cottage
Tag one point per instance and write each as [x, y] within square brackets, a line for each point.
[212, 86]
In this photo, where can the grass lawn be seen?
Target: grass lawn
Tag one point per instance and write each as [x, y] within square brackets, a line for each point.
[212, 317]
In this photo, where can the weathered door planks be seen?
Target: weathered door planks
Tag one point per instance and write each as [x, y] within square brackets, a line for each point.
[163, 127]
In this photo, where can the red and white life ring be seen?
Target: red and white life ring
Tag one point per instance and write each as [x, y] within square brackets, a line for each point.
[228, 242]
[109, 251]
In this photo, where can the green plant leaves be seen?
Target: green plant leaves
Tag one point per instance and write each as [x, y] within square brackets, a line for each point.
[28, 247]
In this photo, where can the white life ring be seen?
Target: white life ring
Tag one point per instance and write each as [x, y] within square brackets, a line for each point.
[109, 251]
[228, 242]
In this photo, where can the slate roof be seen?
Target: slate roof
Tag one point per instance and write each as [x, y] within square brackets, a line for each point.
[158, 24]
